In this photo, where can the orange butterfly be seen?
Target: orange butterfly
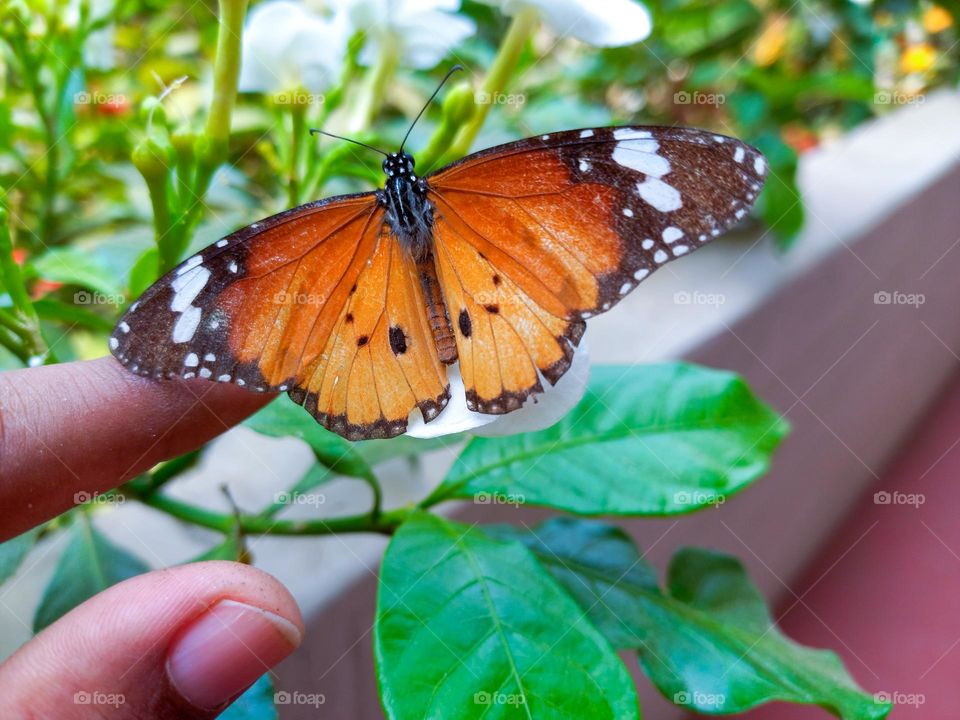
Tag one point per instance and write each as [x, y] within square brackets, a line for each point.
[354, 305]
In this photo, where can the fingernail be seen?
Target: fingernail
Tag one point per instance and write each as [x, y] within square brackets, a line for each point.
[225, 650]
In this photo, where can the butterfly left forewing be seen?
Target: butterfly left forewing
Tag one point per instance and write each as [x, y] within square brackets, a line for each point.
[569, 223]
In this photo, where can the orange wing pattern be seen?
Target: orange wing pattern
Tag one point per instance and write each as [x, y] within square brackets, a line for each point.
[533, 237]
[318, 301]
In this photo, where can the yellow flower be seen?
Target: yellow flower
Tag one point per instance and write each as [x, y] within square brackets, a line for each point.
[918, 58]
[772, 41]
[936, 19]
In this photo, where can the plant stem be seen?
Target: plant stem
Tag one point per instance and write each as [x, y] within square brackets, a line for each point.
[298, 116]
[259, 525]
[226, 71]
[504, 65]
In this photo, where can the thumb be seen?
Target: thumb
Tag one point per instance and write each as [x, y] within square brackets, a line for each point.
[173, 644]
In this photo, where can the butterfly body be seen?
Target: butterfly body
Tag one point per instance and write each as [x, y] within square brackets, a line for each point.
[409, 211]
[356, 305]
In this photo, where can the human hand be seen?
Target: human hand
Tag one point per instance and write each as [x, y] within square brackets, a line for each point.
[177, 643]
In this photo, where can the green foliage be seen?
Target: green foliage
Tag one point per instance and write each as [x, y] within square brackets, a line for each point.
[707, 641]
[648, 440]
[89, 565]
[470, 623]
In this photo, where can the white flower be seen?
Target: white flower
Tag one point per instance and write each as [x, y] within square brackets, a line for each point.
[537, 412]
[421, 32]
[603, 23]
[286, 46]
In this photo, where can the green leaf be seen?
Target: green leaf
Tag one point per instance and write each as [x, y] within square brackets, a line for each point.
[74, 266]
[780, 204]
[255, 704]
[708, 643]
[230, 549]
[284, 418]
[471, 623]
[89, 565]
[13, 551]
[649, 440]
[144, 272]
[690, 27]
[50, 309]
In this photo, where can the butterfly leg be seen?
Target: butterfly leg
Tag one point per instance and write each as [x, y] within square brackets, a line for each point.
[437, 311]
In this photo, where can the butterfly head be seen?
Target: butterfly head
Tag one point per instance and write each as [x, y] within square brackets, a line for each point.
[399, 164]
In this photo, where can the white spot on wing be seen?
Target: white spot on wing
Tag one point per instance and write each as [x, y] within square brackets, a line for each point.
[738, 154]
[224, 378]
[672, 234]
[191, 263]
[630, 134]
[191, 360]
[586, 133]
[233, 267]
[186, 287]
[660, 195]
[124, 327]
[647, 244]
[641, 274]
[660, 256]
[760, 165]
[585, 165]
[625, 288]
[209, 357]
[628, 212]
[114, 343]
[681, 249]
[221, 243]
[186, 325]
[205, 372]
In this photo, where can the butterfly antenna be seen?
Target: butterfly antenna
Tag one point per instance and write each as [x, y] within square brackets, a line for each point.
[455, 68]
[315, 131]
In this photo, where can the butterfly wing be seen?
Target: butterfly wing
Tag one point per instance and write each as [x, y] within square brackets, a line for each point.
[534, 236]
[318, 301]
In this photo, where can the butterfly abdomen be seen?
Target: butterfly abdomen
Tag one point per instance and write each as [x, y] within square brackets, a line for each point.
[437, 313]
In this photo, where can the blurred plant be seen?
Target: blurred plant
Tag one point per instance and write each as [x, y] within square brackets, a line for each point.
[79, 238]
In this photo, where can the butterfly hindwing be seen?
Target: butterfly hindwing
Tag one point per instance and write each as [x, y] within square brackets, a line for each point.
[560, 227]
[313, 302]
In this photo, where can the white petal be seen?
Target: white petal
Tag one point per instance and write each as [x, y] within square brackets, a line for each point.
[425, 30]
[287, 46]
[536, 414]
[455, 417]
[605, 24]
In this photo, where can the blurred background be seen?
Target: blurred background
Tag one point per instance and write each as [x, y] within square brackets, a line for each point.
[836, 298]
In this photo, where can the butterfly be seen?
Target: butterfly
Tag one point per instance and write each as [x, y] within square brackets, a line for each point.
[356, 305]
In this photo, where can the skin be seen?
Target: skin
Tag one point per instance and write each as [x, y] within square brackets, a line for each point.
[89, 426]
